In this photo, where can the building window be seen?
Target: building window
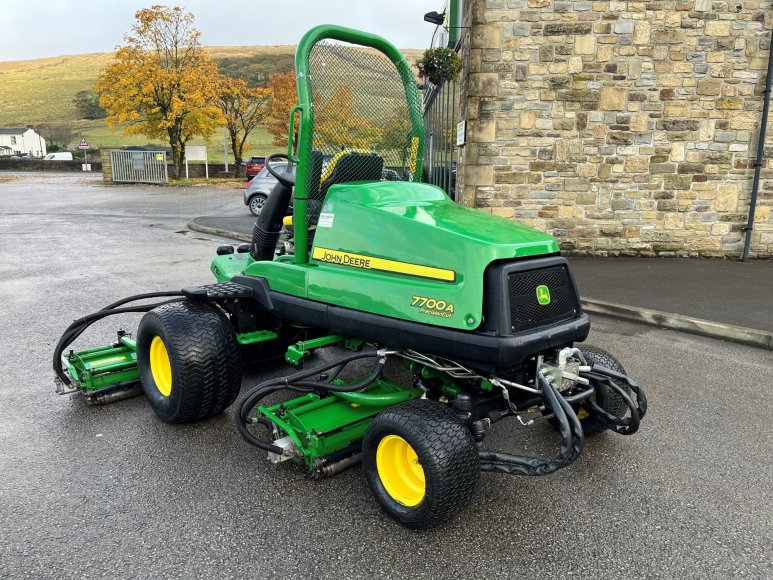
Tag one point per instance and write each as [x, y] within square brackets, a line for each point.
[13, 140]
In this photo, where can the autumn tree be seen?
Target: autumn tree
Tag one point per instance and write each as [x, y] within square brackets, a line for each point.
[242, 109]
[338, 124]
[396, 134]
[284, 97]
[162, 84]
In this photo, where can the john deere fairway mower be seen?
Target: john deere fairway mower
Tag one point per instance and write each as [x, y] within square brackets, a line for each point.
[482, 312]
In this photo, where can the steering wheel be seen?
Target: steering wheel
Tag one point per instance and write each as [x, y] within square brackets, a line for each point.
[285, 178]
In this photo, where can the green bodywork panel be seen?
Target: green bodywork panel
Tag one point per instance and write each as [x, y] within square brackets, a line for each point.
[413, 224]
[418, 224]
[104, 366]
[320, 426]
[226, 267]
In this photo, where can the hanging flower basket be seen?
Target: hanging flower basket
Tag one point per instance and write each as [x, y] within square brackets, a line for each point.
[439, 65]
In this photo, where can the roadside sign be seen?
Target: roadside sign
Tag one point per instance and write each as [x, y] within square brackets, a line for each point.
[461, 133]
[84, 144]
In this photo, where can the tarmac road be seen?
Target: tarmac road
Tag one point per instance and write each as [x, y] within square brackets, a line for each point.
[113, 492]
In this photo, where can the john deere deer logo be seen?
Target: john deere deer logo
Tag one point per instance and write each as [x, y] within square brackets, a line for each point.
[543, 295]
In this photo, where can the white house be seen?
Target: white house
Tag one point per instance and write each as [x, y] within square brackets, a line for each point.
[21, 141]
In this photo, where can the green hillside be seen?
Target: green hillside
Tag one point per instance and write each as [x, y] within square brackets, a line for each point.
[42, 90]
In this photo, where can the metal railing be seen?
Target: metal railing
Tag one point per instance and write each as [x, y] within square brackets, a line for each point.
[139, 166]
[441, 111]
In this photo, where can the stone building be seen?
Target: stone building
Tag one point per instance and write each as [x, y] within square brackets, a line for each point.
[622, 128]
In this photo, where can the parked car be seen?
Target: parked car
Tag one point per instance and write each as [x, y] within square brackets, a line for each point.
[257, 191]
[254, 165]
[59, 156]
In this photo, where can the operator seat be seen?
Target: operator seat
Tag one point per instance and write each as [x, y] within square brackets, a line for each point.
[347, 165]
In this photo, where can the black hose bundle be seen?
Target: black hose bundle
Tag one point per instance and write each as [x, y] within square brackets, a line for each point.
[621, 425]
[572, 442]
[298, 383]
[80, 325]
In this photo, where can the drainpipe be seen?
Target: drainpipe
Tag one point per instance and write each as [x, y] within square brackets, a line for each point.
[760, 152]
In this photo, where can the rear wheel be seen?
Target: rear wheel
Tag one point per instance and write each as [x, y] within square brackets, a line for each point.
[257, 202]
[420, 462]
[189, 361]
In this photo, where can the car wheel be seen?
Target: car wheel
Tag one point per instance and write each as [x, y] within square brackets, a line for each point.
[256, 204]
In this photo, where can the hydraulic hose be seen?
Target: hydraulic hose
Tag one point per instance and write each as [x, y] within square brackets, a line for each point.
[80, 325]
[572, 442]
[298, 383]
[621, 425]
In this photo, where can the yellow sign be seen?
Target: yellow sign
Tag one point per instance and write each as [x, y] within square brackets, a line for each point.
[371, 263]
[159, 156]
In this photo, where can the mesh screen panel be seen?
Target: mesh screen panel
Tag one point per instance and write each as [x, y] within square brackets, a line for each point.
[361, 129]
[526, 312]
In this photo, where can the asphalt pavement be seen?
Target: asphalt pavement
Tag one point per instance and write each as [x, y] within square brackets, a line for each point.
[113, 492]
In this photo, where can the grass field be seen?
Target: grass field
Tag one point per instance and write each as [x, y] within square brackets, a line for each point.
[41, 91]
[101, 136]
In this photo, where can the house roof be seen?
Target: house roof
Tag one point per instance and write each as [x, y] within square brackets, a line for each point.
[4, 147]
[13, 130]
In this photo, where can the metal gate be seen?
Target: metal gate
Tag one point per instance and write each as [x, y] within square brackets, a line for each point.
[139, 166]
[441, 111]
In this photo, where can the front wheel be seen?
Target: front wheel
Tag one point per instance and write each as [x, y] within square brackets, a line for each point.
[256, 204]
[189, 361]
[420, 462]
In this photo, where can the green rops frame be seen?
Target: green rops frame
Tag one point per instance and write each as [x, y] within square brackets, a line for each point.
[305, 110]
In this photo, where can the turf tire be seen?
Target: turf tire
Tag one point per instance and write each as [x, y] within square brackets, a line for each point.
[205, 361]
[446, 451]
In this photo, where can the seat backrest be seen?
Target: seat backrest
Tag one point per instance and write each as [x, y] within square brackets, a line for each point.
[351, 166]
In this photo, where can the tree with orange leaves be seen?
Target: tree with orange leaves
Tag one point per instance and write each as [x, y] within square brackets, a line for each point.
[284, 97]
[337, 122]
[162, 84]
[243, 109]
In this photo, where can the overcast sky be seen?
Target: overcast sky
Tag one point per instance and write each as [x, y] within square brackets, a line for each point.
[40, 28]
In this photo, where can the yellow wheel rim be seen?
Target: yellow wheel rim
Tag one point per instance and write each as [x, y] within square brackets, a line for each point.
[160, 366]
[400, 471]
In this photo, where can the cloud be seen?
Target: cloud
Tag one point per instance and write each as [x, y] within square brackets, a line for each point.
[38, 28]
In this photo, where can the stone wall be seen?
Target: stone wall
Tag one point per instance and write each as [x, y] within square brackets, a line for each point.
[44, 165]
[622, 128]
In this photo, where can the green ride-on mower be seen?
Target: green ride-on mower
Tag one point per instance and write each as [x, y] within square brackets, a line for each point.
[482, 313]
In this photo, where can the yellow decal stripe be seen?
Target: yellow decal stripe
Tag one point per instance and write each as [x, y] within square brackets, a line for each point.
[370, 263]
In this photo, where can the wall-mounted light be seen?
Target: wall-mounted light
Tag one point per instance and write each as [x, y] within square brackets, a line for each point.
[435, 18]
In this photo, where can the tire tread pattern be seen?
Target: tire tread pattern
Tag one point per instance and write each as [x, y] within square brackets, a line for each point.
[606, 398]
[448, 454]
[206, 361]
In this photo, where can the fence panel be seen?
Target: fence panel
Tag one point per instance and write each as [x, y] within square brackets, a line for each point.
[139, 166]
[441, 115]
